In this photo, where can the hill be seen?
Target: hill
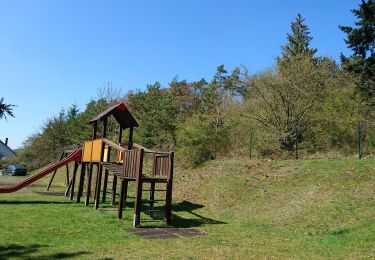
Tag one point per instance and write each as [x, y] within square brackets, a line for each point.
[299, 209]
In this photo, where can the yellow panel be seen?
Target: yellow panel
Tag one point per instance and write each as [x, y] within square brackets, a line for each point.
[87, 149]
[96, 150]
[105, 153]
[120, 157]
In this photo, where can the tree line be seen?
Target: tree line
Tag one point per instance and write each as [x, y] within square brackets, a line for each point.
[303, 99]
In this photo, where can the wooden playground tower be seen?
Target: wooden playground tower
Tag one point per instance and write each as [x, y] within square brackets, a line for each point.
[124, 162]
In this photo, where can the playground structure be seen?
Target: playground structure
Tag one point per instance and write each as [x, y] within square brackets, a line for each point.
[124, 162]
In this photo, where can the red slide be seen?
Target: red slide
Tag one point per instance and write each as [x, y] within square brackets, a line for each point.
[74, 156]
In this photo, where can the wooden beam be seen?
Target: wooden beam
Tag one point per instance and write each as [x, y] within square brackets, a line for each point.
[130, 143]
[95, 129]
[119, 134]
[81, 181]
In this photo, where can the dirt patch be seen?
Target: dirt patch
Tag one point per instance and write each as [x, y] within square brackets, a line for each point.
[252, 166]
[164, 233]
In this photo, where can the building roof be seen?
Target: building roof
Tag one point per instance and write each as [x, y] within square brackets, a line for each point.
[5, 151]
[121, 113]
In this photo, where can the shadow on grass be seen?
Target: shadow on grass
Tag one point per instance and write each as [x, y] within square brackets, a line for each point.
[24, 252]
[21, 202]
[50, 193]
[197, 221]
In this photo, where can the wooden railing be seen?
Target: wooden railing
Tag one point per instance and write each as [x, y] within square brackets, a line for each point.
[106, 151]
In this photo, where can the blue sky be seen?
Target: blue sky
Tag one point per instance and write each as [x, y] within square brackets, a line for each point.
[57, 53]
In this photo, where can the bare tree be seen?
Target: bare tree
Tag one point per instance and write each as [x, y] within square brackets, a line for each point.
[284, 99]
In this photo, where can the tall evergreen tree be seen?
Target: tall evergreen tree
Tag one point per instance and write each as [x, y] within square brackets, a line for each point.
[5, 109]
[361, 40]
[298, 42]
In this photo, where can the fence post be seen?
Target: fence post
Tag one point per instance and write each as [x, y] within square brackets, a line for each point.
[359, 133]
[296, 140]
[251, 144]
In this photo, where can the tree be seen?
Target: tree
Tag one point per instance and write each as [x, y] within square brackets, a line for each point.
[5, 109]
[298, 44]
[217, 97]
[361, 40]
[157, 114]
[283, 102]
[284, 97]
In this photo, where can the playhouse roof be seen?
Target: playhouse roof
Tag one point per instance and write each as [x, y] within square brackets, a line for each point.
[121, 113]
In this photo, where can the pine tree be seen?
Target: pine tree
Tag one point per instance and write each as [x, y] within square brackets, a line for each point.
[361, 40]
[298, 42]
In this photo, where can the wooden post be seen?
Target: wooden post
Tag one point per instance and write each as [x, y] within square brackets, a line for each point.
[130, 143]
[73, 180]
[105, 181]
[100, 170]
[98, 185]
[114, 186]
[138, 196]
[54, 173]
[95, 129]
[106, 176]
[122, 200]
[67, 174]
[105, 121]
[89, 180]
[81, 182]
[152, 197]
[91, 168]
[120, 134]
[168, 202]
[67, 191]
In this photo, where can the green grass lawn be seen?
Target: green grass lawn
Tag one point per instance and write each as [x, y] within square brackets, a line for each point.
[280, 209]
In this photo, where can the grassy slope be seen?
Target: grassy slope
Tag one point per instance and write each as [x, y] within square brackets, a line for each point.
[312, 208]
